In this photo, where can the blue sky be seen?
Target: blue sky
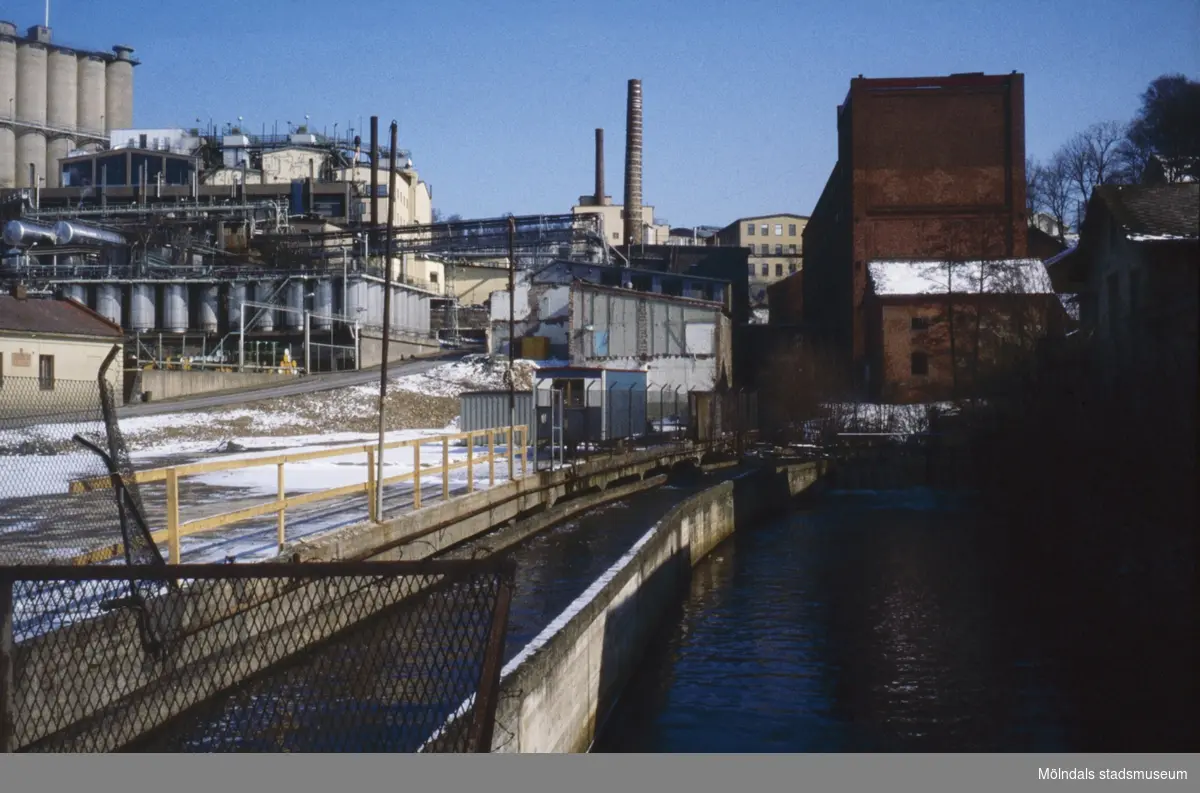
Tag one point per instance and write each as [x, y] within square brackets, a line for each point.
[498, 100]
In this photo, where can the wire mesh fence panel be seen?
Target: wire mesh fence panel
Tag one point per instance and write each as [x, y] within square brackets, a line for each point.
[59, 448]
[303, 657]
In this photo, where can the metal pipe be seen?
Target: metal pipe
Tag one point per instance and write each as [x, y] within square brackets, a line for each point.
[512, 340]
[374, 171]
[599, 167]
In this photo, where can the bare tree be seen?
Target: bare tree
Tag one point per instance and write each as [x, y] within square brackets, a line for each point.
[1092, 158]
[1055, 192]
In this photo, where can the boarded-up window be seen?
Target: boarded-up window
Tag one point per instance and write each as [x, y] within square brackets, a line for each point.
[46, 372]
[698, 336]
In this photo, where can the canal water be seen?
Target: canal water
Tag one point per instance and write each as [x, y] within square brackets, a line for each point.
[874, 621]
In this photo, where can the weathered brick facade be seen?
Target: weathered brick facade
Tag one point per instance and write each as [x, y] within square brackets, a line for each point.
[927, 168]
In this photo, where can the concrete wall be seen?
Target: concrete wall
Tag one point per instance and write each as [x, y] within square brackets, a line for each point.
[557, 692]
[163, 384]
[371, 347]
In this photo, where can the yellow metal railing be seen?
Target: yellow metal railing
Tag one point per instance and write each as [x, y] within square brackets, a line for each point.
[177, 529]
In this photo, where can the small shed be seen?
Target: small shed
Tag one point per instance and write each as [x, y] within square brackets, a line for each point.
[578, 404]
[483, 410]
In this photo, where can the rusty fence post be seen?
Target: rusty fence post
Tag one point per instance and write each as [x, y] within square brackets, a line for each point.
[487, 696]
[7, 699]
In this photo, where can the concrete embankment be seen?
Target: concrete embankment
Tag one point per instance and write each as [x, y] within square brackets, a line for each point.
[556, 693]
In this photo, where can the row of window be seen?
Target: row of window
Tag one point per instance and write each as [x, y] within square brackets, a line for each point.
[766, 270]
[45, 371]
[765, 250]
[766, 229]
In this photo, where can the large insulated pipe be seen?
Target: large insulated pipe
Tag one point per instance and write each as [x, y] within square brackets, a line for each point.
[633, 164]
[23, 233]
[67, 232]
[599, 166]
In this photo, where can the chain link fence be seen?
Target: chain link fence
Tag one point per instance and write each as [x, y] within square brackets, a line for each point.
[289, 657]
[55, 432]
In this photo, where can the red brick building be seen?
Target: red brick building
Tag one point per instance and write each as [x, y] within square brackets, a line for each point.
[928, 168]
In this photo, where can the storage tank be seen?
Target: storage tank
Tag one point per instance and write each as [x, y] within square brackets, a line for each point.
[31, 82]
[234, 299]
[141, 307]
[8, 103]
[356, 300]
[294, 319]
[21, 233]
[68, 232]
[31, 149]
[76, 292]
[118, 88]
[57, 149]
[62, 80]
[375, 305]
[266, 316]
[91, 93]
[323, 305]
[108, 302]
[175, 308]
[207, 308]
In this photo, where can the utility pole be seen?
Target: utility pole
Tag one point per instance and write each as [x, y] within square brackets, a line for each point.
[512, 340]
[387, 312]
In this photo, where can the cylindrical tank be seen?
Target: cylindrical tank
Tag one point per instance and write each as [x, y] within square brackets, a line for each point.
[108, 302]
[141, 307]
[20, 233]
[68, 232]
[323, 305]
[31, 150]
[76, 292]
[266, 316]
[294, 319]
[375, 312]
[356, 300]
[118, 97]
[91, 93]
[175, 313]
[57, 149]
[62, 79]
[234, 299]
[8, 157]
[207, 305]
[31, 82]
[8, 103]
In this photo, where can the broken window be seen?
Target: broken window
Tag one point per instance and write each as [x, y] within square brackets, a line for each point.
[920, 364]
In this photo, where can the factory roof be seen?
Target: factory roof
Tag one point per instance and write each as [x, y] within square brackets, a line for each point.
[53, 316]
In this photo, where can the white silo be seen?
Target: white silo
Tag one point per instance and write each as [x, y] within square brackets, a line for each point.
[31, 106]
[91, 85]
[8, 102]
[118, 98]
[62, 75]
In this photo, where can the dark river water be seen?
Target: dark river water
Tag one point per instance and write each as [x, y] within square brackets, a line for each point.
[872, 622]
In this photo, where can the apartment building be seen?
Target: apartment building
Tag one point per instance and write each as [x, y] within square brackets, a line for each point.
[776, 247]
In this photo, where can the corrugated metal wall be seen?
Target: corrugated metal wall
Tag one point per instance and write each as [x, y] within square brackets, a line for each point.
[616, 325]
[481, 410]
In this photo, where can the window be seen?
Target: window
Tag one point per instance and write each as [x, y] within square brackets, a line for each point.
[791, 229]
[752, 269]
[792, 249]
[766, 269]
[46, 372]
[920, 323]
[920, 364]
[778, 270]
[778, 229]
[765, 228]
[433, 278]
[616, 235]
[792, 267]
[778, 250]
[749, 229]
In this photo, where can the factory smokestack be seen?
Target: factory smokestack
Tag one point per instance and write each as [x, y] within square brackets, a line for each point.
[599, 166]
[633, 165]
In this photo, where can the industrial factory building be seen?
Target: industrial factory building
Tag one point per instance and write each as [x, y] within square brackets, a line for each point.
[54, 100]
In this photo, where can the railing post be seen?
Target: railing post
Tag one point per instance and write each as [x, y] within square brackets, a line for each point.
[445, 467]
[512, 472]
[172, 516]
[417, 474]
[7, 717]
[524, 449]
[372, 505]
[471, 462]
[491, 458]
[281, 520]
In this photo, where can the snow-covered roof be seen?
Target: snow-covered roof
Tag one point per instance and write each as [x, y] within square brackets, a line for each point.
[935, 277]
